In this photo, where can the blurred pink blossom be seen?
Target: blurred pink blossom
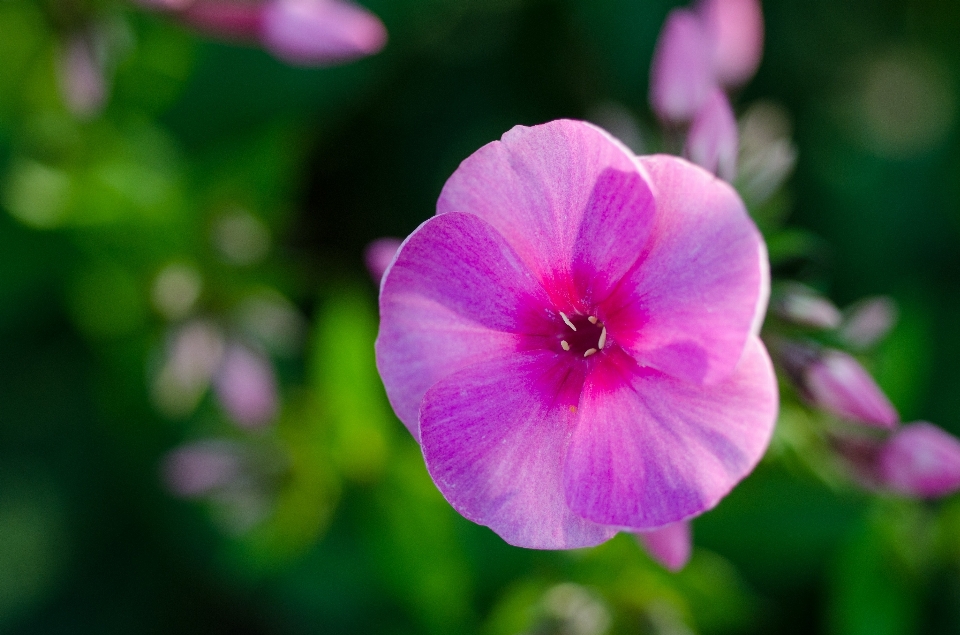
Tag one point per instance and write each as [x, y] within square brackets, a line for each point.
[201, 467]
[712, 140]
[868, 321]
[246, 387]
[801, 305]
[681, 74]
[82, 79]
[836, 382]
[920, 460]
[734, 30]
[671, 546]
[379, 254]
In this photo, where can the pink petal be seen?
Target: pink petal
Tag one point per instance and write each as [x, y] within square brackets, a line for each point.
[921, 460]
[681, 74]
[712, 142]
[536, 185]
[735, 29]
[246, 387]
[494, 436]
[837, 382]
[650, 450]
[317, 32]
[378, 255]
[456, 294]
[702, 285]
[671, 546]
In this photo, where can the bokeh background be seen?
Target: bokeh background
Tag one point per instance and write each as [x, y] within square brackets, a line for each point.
[251, 188]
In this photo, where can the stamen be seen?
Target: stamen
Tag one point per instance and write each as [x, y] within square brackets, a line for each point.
[564, 345]
[592, 319]
[603, 338]
[567, 320]
[589, 352]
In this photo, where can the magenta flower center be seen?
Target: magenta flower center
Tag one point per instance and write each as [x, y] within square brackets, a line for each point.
[581, 335]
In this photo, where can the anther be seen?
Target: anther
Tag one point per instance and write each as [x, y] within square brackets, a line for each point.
[567, 320]
[564, 345]
[589, 352]
[603, 338]
[593, 320]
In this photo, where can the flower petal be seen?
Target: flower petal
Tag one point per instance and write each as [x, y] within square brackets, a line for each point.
[494, 437]
[456, 294]
[535, 186]
[651, 450]
[700, 289]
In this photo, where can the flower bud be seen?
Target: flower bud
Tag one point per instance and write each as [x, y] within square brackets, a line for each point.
[379, 254]
[803, 306]
[681, 75]
[837, 383]
[82, 79]
[712, 141]
[920, 460]
[319, 32]
[198, 468]
[735, 32]
[246, 387]
[671, 545]
[868, 321]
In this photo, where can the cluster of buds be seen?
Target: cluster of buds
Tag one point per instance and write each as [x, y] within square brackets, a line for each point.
[301, 32]
[917, 459]
[703, 52]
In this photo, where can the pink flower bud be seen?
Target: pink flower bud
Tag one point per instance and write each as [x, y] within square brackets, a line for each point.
[199, 468]
[246, 387]
[379, 254]
[82, 80]
[671, 545]
[920, 460]
[319, 32]
[735, 30]
[837, 382]
[712, 141]
[868, 321]
[803, 306]
[223, 19]
[681, 75]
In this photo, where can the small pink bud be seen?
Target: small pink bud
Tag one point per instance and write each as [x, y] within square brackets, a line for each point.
[868, 321]
[803, 306]
[920, 460]
[671, 545]
[379, 254]
[246, 387]
[319, 32]
[201, 467]
[82, 80]
[837, 382]
[681, 75]
[735, 30]
[223, 19]
[712, 141]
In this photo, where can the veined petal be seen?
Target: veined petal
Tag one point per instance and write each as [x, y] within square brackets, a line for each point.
[456, 294]
[536, 185]
[649, 449]
[494, 436]
[695, 295]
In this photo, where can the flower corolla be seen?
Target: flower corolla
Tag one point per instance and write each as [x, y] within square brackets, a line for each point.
[573, 338]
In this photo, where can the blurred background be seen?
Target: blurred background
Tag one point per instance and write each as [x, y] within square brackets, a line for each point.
[193, 436]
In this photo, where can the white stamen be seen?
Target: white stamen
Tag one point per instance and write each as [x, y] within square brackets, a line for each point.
[589, 352]
[603, 338]
[564, 345]
[592, 319]
[567, 320]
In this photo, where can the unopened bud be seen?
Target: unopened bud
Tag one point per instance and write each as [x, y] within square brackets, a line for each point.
[712, 141]
[246, 387]
[670, 545]
[200, 468]
[920, 460]
[735, 32]
[803, 306]
[868, 321]
[681, 75]
[837, 383]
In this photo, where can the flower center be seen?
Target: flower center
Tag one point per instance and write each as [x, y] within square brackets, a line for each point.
[581, 335]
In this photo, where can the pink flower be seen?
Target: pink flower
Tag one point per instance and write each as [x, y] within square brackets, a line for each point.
[837, 382]
[82, 78]
[246, 387]
[920, 460]
[681, 74]
[735, 32]
[712, 142]
[671, 546]
[572, 338]
[378, 255]
[302, 32]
